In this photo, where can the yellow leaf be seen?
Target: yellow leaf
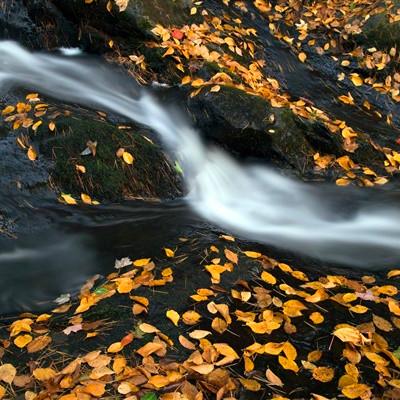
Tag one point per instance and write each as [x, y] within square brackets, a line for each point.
[80, 168]
[358, 309]
[215, 89]
[8, 110]
[268, 278]
[302, 57]
[273, 348]
[149, 348]
[288, 364]
[128, 157]
[186, 79]
[141, 262]
[197, 83]
[290, 351]
[2, 392]
[52, 126]
[193, 11]
[36, 125]
[348, 334]
[86, 198]
[252, 254]
[32, 155]
[250, 384]
[173, 316]
[317, 318]
[7, 373]
[169, 253]
[68, 199]
[231, 256]
[356, 79]
[22, 340]
[355, 391]
[39, 343]
[44, 374]
[199, 334]
[272, 378]
[219, 325]
[122, 4]
[191, 317]
[96, 389]
[323, 374]
[342, 182]
[169, 52]
[158, 381]
[203, 369]
[115, 347]
[393, 273]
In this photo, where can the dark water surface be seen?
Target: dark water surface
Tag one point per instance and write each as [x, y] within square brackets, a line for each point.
[80, 242]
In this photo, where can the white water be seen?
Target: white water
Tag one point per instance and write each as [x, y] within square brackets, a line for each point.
[254, 202]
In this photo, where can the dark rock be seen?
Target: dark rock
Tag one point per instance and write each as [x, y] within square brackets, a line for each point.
[248, 126]
[379, 32]
[107, 176]
[37, 24]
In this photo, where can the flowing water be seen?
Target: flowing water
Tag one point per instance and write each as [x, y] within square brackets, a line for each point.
[253, 201]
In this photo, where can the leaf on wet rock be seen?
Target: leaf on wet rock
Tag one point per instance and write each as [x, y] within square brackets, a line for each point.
[7, 373]
[22, 340]
[173, 316]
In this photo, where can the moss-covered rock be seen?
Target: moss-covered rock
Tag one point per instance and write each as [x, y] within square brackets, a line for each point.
[379, 31]
[107, 176]
[248, 126]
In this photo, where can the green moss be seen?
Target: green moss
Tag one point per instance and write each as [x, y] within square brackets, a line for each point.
[379, 32]
[107, 176]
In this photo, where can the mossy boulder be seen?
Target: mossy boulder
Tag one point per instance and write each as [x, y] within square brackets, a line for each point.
[107, 176]
[379, 31]
[127, 28]
[249, 127]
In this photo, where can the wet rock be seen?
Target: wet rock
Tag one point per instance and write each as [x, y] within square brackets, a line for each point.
[378, 31]
[128, 28]
[37, 24]
[248, 126]
[107, 176]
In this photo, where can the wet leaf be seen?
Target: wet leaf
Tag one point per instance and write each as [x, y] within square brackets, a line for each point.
[128, 158]
[173, 316]
[7, 373]
[323, 374]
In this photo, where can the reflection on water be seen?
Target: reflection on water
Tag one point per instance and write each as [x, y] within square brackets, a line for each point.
[39, 266]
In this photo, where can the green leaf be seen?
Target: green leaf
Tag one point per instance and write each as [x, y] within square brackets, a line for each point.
[101, 290]
[149, 396]
[396, 353]
[178, 168]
